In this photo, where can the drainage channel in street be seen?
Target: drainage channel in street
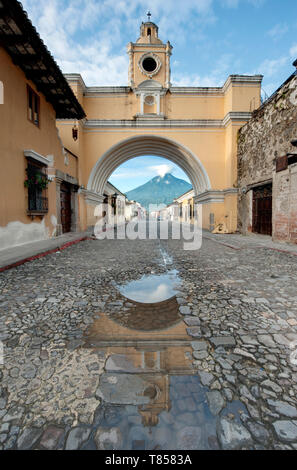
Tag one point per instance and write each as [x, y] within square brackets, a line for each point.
[151, 394]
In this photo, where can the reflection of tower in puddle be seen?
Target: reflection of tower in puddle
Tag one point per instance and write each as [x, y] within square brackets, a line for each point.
[157, 390]
[145, 345]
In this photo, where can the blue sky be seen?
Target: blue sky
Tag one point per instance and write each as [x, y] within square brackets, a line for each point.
[138, 171]
[211, 38]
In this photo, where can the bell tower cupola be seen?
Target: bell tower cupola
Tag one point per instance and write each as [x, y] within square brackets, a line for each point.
[149, 57]
[149, 32]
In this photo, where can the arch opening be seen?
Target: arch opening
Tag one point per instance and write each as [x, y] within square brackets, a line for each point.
[148, 145]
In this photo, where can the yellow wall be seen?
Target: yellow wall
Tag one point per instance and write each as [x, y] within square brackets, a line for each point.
[213, 143]
[105, 106]
[187, 106]
[174, 105]
[17, 134]
[209, 150]
[240, 98]
[215, 146]
[138, 75]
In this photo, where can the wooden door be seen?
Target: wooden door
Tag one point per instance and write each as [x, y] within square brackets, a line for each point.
[65, 197]
[262, 210]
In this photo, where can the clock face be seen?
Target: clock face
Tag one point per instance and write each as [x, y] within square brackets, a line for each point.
[149, 64]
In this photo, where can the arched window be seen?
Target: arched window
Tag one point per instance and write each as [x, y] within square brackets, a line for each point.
[149, 31]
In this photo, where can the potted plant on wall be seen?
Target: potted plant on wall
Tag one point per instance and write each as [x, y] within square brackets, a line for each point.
[36, 183]
[36, 180]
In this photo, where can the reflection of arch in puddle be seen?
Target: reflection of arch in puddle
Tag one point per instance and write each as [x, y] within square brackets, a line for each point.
[149, 316]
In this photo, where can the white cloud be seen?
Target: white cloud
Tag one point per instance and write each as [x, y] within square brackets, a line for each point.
[161, 170]
[278, 31]
[271, 67]
[214, 78]
[293, 52]
[137, 173]
[89, 36]
[146, 171]
[236, 3]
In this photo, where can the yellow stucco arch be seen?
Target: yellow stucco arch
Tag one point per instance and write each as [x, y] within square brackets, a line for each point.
[194, 127]
[148, 145]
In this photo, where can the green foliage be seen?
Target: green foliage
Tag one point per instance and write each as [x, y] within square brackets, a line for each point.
[37, 180]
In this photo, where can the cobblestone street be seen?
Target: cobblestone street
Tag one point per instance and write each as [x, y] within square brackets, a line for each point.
[212, 368]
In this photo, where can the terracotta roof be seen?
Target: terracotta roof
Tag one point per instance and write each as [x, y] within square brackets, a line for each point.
[22, 42]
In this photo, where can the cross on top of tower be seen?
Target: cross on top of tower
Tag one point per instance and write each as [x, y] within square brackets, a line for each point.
[149, 15]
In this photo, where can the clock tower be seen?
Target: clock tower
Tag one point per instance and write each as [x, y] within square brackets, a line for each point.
[149, 69]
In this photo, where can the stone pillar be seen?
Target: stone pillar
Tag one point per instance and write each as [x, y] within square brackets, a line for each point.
[157, 97]
[142, 103]
[168, 55]
[131, 65]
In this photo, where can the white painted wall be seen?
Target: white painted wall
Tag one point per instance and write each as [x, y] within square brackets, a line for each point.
[17, 233]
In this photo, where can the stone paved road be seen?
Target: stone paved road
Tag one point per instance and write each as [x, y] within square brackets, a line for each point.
[239, 308]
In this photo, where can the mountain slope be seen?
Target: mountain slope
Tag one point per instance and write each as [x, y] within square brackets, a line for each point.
[159, 190]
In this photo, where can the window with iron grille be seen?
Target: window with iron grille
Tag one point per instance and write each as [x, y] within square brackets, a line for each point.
[36, 183]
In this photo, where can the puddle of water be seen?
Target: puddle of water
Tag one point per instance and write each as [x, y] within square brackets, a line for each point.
[152, 288]
[160, 411]
[151, 395]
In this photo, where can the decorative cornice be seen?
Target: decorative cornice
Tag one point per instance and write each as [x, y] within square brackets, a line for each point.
[236, 117]
[150, 122]
[234, 80]
[65, 177]
[144, 45]
[156, 121]
[36, 156]
[91, 197]
[96, 91]
[75, 77]
[214, 196]
[241, 80]
[230, 191]
[150, 117]
[196, 91]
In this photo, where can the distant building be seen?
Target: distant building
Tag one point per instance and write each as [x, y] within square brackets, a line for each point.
[186, 208]
[116, 202]
[170, 212]
[134, 211]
